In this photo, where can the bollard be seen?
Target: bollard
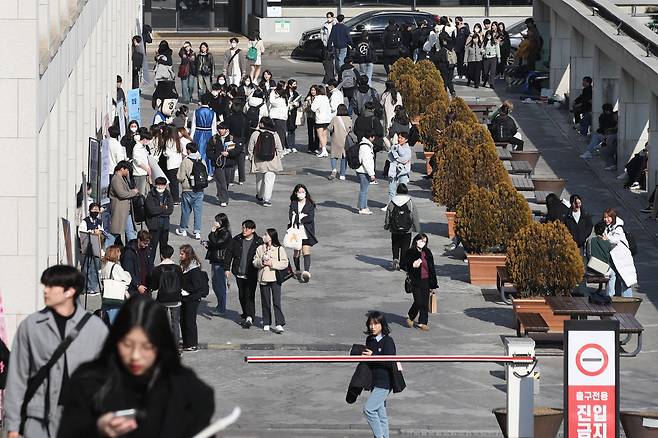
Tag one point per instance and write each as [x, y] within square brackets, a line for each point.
[520, 389]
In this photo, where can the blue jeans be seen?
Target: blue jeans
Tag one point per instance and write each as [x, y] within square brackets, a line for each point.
[612, 285]
[89, 265]
[131, 232]
[343, 165]
[187, 86]
[364, 184]
[112, 313]
[366, 69]
[375, 412]
[219, 285]
[393, 184]
[584, 124]
[191, 202]
[340, 58]
[594, 142]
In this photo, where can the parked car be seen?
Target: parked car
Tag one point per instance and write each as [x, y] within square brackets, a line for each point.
[310, 45]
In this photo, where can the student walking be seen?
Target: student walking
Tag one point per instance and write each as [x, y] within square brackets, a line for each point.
[193, 177]
[234, 63]
[301, 214]
[421, 272]
[279, 111]
[37, 339]
[269, 258]
[624, 274]
[167, 283]
[238, 260]
[120, 195]
[219, 240]
[322, 109]
[224, 153]
[204, 126]
[505, 46]
[401, 219]
[391, 98]
[159, 207]
[112, 270]
[138, 366]
[490, 59]
[205, 67]
[195, 287]
[400, 167]
[366, 171]
[339, 127]
[473, 60]
[265, 151]
[313, 141]
[255, 52]
[173, 152]
[187, 72]
[295, 114]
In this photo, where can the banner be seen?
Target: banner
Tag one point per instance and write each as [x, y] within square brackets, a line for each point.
[134, 105]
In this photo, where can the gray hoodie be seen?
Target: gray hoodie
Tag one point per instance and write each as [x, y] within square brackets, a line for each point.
[185, 171]
[400, 200]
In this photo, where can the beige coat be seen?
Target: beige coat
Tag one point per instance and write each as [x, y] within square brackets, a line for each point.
[279, 261]
[273, 165]
[120, 195]
[338, 133]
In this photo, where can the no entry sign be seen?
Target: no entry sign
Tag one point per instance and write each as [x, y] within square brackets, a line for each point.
[591, 370]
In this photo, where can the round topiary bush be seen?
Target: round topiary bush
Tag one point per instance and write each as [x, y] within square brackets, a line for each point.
[543, 259]
[488, 170]
[432, 123]
[458, 111]
[477, 222]
[410, 89]
[403, 66]
[513, 212]
[453, 177]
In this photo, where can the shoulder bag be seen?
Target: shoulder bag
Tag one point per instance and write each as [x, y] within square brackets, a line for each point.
[114, 289]
[34, 382]
[285, 274]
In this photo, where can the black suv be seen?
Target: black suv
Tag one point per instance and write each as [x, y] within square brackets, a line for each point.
[310, 45]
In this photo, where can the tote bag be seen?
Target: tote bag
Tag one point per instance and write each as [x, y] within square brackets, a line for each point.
[293, 238]
[596, 265]
[114, 289]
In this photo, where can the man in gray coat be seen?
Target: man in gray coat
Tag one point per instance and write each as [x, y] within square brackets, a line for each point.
[35, 342]
[120, 195]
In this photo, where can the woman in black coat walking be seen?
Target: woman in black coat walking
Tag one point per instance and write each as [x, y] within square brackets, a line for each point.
[302, 215]
[421, 273]
[218, 241]
[138, 368]
[195, 287]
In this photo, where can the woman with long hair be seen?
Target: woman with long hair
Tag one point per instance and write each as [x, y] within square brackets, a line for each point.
[112, 270]
[301, 214]
[138, 370]
[322, 109]
[310, 120]
[173, 152]
[279, 112]
[490, 59]
[195, 286]
[219, 240]
[294, 114]
[247, 86]
[267, 83]
[473, 60]
[505, 49]
[421, 273]
[271, 257]
[339, 127]
[254, 64]
[163, 63]
[390, 99]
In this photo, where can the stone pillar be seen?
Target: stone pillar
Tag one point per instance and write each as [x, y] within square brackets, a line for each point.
[605, 88]
[633, 117]
[560, 58]
[652, 168]
[541, 13]
[582, 54]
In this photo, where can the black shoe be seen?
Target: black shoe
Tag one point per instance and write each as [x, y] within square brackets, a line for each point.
[646, 210]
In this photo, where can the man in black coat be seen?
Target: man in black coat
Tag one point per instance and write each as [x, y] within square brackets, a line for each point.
[159, 207]
[418, 39]
[136, 259]
[503, 129]
[582, 107]
[224, 153]
[391, 43]
[578, 221]
[238, 260]
[461, 35]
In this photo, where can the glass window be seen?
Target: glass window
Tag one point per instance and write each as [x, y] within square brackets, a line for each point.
[377, 22]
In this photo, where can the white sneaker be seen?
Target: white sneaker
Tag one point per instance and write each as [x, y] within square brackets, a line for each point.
[223, 204]
[384, 208]
[278, 330]
[182, 233]
[586, 155]
[197, 235]
[342, 177]
[210, 178]
[294, 150]
[266, 328]
[323, 154]
[365, 211]
[374, 183]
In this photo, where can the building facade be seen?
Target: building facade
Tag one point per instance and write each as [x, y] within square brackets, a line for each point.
[61, 59]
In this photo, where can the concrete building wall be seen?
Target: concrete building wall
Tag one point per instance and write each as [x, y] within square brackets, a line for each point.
[63, 57]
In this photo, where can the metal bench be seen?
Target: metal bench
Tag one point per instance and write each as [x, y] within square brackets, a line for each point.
[530, 323]
[629, 326]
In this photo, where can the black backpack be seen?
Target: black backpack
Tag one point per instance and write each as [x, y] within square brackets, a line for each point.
[169, 286]
[393, 39]
[139, 208]
[400, 220]
[352, 155]
[265, 148]
[199, 176]
[253, 115]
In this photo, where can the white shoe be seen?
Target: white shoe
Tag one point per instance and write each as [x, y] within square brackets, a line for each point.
[278, 330]
[182, 233]
[223, 204]
[306, 276]
[294, 150]
[210, 178]
[365, 211]
[266, 328]
[384, 208]
[197, 236]
[323, 154]
[285, 152]
[586, 155]
[374, 183]
[342, 177]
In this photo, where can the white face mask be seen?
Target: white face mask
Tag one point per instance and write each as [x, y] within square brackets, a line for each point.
[137, 137]
[133, 129]
[301, 196]
[221, 82]
[234, 45]
[215, 93]
[160, 189]
[266, 238]
[420, 244]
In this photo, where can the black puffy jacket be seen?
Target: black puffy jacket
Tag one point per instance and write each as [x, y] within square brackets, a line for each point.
[218, 241]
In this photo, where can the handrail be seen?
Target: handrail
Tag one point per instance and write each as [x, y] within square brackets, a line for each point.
[625, 23]
[522, 360]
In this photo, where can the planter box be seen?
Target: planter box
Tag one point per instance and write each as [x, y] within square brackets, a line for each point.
[531, 157]
[631, 421]
[553, 185]
[539, 305]
[482, 268]
[451, 223]
[626, 304]
[428, 160]
[547, 421]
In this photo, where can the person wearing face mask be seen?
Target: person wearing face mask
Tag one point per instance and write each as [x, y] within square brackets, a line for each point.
[128, 140]
[234, 63]
[247, 86]
[490, 59]
[420, 270]
[141, 168]
[205, 67]
[92, 224]
[295, 114]
[159, 207]
[269, 258]
[217, 100]
[136, 260]
[301, 214]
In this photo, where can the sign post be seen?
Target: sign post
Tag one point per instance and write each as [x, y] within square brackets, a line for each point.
[591, 373]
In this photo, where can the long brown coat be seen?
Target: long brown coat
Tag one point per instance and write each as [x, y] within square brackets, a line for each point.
[338, 133]
[120, 195]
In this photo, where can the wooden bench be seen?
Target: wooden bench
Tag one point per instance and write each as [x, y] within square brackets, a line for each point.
[540, 196]
[482, 110]
[595, 278]
[503, 279]
[521, 167]
[628, 325]
[503, 154]
[501, 144]
[530, 323]
[522, 183]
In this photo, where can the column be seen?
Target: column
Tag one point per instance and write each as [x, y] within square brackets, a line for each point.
[560, 49]
[541, 13]
[633, 118]
[582, 54]
[652, 168]
[605, 87]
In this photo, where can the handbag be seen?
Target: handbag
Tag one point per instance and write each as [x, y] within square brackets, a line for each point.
[114, 289]
[408, 287]
[285, 274]
[433, 306]
[183, 71]
[597, 265]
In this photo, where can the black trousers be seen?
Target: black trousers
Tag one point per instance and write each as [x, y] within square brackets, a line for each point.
[421, 302]
[188, 323]
[174, 185]
[461, 68]
[158, 236]
[313, 140]
[388, 61]
[135, 78]
[282, 129]
[474, 73]
[489, 70]
[222, 177]
[447, 72]
[516, 142]
[400, 244]
[247, 296]
[270, 295]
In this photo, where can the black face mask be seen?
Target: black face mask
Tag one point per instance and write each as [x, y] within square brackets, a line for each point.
[93, 214]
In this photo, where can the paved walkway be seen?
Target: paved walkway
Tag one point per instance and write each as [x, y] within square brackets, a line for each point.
[350, 277]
